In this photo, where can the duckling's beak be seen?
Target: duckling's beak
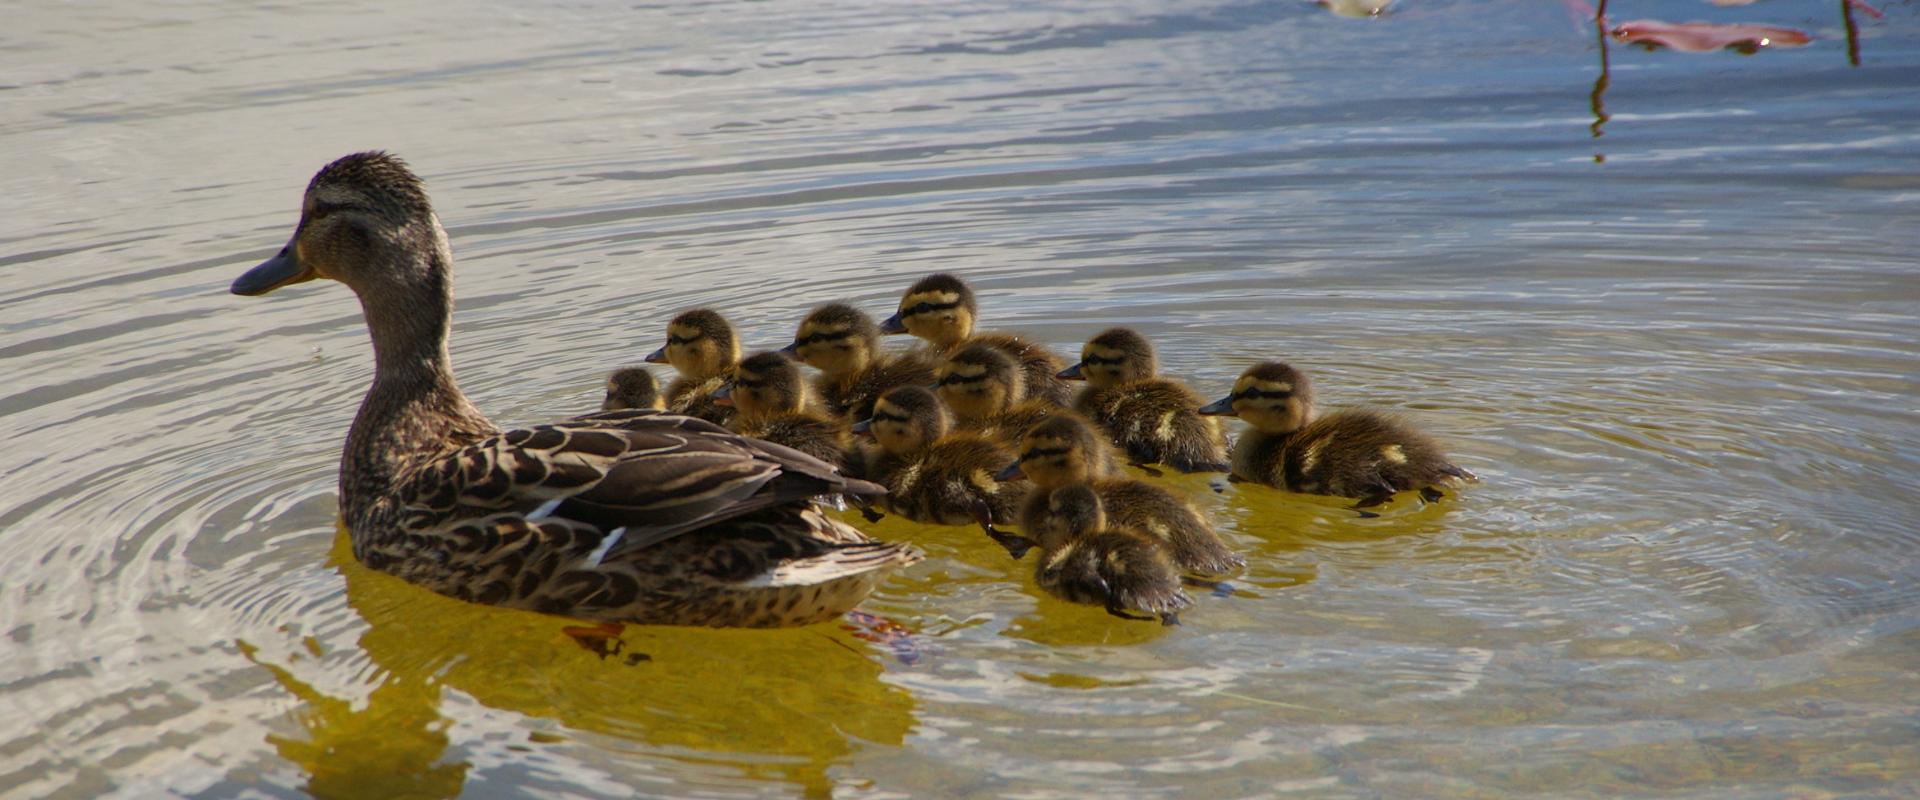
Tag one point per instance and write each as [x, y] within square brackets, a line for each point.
[792, 351]
[658, 356]
[1072, 373]
[1011, 473]
[863, 427]
[893, 325]
[284, 269]
[723, 396]
[1222, 407]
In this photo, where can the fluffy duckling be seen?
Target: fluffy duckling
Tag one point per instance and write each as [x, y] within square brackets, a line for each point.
[986, 390]
[770, 403]
[1063, 450]
[940, 309]
[938, 475]
[631, 388]
[701, 347]
[1152, 419]
[1347, 453]
[844, 344]
[1089, 561]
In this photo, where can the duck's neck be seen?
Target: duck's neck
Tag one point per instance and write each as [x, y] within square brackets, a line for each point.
[414, 409]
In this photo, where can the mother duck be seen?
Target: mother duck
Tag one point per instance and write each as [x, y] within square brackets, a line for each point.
[624, 516]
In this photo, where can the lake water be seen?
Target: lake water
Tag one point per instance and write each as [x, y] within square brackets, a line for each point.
[1672, 325]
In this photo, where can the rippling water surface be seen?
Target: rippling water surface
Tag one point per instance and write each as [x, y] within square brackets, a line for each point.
[1681, 355]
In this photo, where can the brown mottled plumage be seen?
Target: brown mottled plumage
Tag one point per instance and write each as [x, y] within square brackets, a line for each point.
[987, 392]
[702, 349]
[1152, 419]
[1089, 561]
[625, 516]
[1063, 450]
[1359, 454]
[934, 474]
[770, 402]
[844, 344]
[631, 388]
[940, 309]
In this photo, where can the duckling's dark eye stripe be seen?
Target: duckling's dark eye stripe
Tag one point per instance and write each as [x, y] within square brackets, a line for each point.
[1102, 360]
[955, 377]
[922, 308]
[673, 339]
[747, 384]
[1260, 394]
[322, 208]
[816, 338]
[882, 415]
[1043, 451]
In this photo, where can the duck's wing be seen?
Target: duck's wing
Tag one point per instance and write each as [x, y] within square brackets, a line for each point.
[654, 474]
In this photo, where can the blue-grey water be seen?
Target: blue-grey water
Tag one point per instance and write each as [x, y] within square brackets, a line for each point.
[1671, 324]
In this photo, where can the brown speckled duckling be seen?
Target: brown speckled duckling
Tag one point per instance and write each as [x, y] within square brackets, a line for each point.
[987, 392]
[702, 348]
[938, 475]
[769, 402]
[1063, 450]
[940, 309]
[624, 516]
[1346, 454]
[1153, 420]
[1088, 561]
[844, 344]
[630, 388]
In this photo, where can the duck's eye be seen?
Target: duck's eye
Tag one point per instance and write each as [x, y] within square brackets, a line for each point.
[1261, 394]
[1042, 452]
[927, 307]
[887, 416]
[678, 339]
[818, 337]
[1103, 360]
[952, 378]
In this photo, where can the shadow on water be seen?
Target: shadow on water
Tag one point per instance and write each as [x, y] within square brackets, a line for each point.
[751, 701]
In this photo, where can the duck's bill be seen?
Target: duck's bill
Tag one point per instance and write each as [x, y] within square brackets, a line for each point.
[1222, 407]
[863, 427]
[723, 396]
[283, 269]
[658, 356]
[792, 351]
[1072, 373]
[893, 325]
[1011, 473]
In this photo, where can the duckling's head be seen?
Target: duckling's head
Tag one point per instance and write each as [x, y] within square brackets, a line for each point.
[1272, 397]
[632, 387]
[906, 419]
[1057, 451]
[979, 382]
[1114, 357]
[700, 344]
[366, 222]
[938, 308]
[764, 384]
[836, 339]
[1073, 512]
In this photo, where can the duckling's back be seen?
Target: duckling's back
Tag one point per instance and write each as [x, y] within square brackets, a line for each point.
[950, 482]
[852, 396]
[695, 399]
[1165, 516]
[817, 436]
[1118, 569]
[1038, 366]
[1363, 454]
[1157, 422]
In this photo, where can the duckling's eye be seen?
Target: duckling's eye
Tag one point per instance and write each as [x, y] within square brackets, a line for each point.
[883, 416]
[1105, 360]
[816, 338]
[925, 307]
[678, 339]
[1260, 394]
[1042, 452]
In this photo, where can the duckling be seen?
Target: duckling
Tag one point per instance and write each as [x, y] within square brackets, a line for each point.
[844, 344]
[1064, 450]
[769, 402]
[701, 347]
[1359, 454]
[1089, 561]
[630, 388]
[986, 390]
[940, 309]
[938, 475]
[1155, 420]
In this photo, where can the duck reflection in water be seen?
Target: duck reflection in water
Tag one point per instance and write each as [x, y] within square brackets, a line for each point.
[783, 706]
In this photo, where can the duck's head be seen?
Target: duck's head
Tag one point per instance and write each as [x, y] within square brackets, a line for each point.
[1073, 512]
[906, 419]
[1057, 451]
[630, 388]
[1272, 397]
[836, 339]
[762, 385]
[366, 222]
[938, 308]
[1114, 357]
[700, 344]
[979, 382]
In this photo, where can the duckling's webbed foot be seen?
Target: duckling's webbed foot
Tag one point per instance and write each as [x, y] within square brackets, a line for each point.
[1143, 467]
[602, 640]
[1378, 497]
[869, 512]
[1217, 588]
[1432, 495]
[1016, 545]
[1122, 613]
[1169, 619]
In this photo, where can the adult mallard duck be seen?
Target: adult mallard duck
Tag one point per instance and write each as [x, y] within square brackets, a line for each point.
[1359, 454]
[1152, 419]
[940, 309]
[625, 516]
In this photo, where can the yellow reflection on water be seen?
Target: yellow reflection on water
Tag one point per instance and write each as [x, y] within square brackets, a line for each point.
[782, 705]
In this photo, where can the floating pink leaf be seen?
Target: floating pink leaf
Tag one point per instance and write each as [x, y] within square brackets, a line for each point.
[1701, 37]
